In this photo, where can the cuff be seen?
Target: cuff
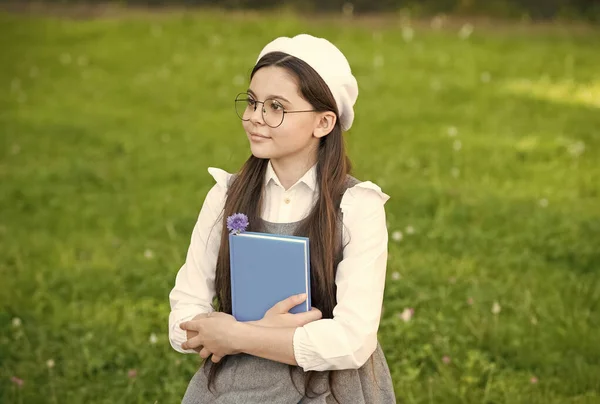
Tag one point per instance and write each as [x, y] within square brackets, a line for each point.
[306, 358]
[177, 336]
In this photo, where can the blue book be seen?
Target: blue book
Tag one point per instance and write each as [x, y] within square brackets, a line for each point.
[265, 269]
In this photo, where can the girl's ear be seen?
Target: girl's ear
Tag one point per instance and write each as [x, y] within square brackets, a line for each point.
[325, 124]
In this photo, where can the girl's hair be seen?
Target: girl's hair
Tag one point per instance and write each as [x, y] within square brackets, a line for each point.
[320, 226]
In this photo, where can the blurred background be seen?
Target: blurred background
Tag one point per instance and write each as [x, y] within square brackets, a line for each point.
[481, 119]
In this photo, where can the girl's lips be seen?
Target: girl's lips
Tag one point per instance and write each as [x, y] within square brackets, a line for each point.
[258, 135]
[258, 138]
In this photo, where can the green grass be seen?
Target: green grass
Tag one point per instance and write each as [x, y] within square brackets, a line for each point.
[107, 127]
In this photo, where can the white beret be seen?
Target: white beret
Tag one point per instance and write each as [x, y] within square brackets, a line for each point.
[329, 62]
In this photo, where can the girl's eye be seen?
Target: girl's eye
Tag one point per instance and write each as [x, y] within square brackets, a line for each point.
[251, 102]
[275, 106]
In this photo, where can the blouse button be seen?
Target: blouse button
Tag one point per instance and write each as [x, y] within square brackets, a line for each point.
[287, 200]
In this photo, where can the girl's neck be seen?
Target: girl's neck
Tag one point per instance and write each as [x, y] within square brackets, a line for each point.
[290, 171]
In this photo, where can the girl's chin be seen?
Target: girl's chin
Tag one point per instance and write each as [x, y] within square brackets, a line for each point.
[259, 152]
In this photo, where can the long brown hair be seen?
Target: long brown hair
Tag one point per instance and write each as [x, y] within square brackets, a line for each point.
[320, 226]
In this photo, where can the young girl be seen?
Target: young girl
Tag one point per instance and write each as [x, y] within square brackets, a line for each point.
[297, 181]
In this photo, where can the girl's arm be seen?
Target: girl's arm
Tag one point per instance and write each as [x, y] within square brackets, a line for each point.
[348, 339]
[271, 337]
[194, 290]
[266, 342]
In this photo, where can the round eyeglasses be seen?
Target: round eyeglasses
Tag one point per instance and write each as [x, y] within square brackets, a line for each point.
[272, 110]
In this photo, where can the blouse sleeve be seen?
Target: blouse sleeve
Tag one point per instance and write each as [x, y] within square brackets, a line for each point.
[348, 339]
[195, 282]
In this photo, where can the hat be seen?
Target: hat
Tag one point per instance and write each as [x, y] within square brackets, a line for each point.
[329, 62]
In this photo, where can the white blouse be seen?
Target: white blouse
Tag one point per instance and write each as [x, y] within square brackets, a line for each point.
[344, 342]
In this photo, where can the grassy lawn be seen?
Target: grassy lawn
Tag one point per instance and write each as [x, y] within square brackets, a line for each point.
[486, 138]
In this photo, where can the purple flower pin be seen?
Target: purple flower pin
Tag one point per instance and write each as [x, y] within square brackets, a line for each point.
[237, 223]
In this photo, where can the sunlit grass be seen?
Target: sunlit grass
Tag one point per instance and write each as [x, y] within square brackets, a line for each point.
[568, 92]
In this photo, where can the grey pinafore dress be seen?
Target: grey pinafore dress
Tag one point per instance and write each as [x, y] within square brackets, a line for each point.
[250, 379]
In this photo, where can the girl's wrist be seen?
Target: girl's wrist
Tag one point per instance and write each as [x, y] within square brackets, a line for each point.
[240, 335]
[247, 334]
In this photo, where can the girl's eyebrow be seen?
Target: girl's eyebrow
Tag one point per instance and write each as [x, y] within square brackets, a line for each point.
[269, 96]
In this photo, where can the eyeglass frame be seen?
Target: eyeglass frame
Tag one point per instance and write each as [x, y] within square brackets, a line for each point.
[263, 110]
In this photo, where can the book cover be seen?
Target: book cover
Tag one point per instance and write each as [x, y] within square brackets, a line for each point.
[265, 269]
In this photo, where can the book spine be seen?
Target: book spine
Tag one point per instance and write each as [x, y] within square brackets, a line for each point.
[308, 277]
[231, 275]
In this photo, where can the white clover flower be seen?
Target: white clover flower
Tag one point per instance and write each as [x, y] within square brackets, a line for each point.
[437, 22]
[452, 131]
[378, 61]
[465, 31]
[408, 34]
[65, 58]
[576, 149]
[406, 314]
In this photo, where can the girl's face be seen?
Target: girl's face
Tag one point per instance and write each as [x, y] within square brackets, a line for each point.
[298, 134]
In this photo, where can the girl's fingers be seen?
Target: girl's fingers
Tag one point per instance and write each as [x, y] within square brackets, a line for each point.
[189, 325]
[192, 343]
[204, 353]
[308, 317]
[286, 305]
[215, 359]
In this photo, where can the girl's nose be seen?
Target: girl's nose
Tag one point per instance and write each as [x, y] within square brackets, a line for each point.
[257, 115]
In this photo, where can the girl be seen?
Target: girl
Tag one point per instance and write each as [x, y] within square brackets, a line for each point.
[297, 181]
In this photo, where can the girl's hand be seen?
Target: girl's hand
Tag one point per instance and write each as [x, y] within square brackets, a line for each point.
[214, 335]
[279, 316]
[192, 334]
